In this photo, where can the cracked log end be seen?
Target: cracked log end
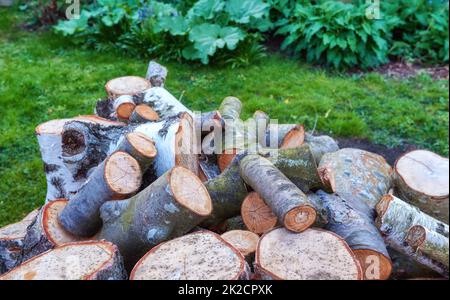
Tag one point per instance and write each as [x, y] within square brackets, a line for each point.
[375, 265]
[91, 260]
[189, 191]
[300, 218]
[122, 174]
[127, 85]
[257, 215]
[243, 240]
[201, 255]
[313, 254]
[294, 138]
[422, 178]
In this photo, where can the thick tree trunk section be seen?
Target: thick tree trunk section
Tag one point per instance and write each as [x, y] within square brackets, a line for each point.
[89, 260]
[171, 206]
[396, 217]
[356, 174]
[229, 190]
[257, 215]
[127, 85]
[287, 201]
[117, 177]
[320, 145]
[156, 74]
[354, 222]
[205, 256]
[312, 255]
[142, 114]
[45, 232]
[163, 103]
[422, 178]
[11, 241]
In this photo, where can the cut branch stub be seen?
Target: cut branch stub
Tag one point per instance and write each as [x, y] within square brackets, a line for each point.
[422, 178]
[117, 177]
[143, 113]
[287, 201]
[396, 218]
[89, 260]
[11, 241]
[356, 174]
[171, 206]
[257, 215]
[312, 255]
[45, 232]
[354, 222]
[127, 85]
[204, 256]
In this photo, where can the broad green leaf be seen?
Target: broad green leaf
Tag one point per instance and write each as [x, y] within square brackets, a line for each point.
[206, 8]
[241, 11]
[175, 25]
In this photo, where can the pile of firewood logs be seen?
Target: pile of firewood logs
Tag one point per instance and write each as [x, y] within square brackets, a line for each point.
[148, 189]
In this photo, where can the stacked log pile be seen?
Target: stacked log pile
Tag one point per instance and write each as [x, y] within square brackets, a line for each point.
[148, 189]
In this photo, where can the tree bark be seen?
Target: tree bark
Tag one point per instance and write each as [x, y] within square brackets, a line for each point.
[117, 177]
[127, 85]
[314, 254]
[11, 242]
[354, 222]
[45, 232]
[356, 174]
[396, 217]
[163, 103]
[88, 260]
[422, 178]
[320, 145]
[171, 206]
[205, 256]
[228, 190]
[156, 74]
[287, 201]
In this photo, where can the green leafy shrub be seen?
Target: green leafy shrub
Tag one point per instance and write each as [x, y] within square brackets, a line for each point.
[419, 29]
[335, 34]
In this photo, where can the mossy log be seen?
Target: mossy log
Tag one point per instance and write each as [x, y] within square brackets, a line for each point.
[287, 201]
[170, 207]
[396, 218]
[314, 254]
[116, 178]
[11, 241]
[88, 260]
[354, 222]
[422, 178]
[356, 174]
[204, 256]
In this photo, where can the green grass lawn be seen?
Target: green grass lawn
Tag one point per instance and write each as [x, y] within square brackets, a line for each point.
[43, 77]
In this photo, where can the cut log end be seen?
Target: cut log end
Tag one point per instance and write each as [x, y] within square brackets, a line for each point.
[311, 255]
[257, 215]
[201, 255]
[294, 138]
[243, 240]
[375, 265]
[185, 145]
[128, 85]
[382, 207]
[189, 191]
[122, 173]
[425, 172]
[416, 236]
[73, 261]
[124, 110]
[143, 144]
[145, 112]
[300, 218]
